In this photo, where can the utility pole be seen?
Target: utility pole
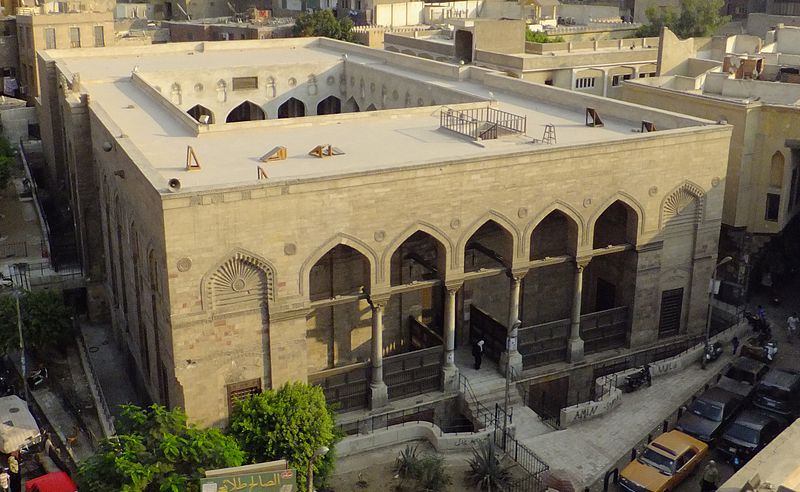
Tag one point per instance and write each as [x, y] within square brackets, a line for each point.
[510, 339]
[17, 295]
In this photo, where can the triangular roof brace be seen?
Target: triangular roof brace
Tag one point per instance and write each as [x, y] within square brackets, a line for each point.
[261, 173]
[593, 118]
[276, 154]
[326, 150]
[192, 164]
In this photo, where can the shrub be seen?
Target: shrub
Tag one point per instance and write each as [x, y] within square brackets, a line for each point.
[485, 470]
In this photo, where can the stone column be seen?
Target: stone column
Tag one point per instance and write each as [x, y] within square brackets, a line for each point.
[449, 369]
[575, 348]
[378, 392]
[515, 358]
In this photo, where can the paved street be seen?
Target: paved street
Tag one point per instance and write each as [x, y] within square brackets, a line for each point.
[788, 354]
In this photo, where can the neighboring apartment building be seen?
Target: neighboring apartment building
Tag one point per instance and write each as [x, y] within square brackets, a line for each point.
[228, 29]
[756, 89]
[240, 230]
[9, 55]
[592, 67]
[57, 31]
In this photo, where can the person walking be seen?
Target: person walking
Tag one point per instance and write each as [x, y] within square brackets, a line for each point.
[477, 353]
[793, 323]
[5, 481]
[710, 480]
[735, 344]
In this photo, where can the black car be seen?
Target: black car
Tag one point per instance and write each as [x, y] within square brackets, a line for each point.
[742, 376]
[748, 434]
[779, 393]
[706, 415]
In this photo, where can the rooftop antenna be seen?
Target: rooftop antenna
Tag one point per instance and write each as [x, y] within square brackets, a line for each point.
[231, 7]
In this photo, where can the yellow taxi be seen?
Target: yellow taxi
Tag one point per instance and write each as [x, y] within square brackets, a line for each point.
[664, 463]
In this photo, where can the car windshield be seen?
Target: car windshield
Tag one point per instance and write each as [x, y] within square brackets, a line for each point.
[657, 460]
[742, 433]
[707, 410]
[739, 375]
[773, 393]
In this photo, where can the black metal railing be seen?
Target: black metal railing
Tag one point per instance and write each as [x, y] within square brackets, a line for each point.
[483, 416]
[482, 123]
[422, 336]
[604, 330]
[525, 458]
[544, 343]
[347, 388]
[413, 373]
[11, 250]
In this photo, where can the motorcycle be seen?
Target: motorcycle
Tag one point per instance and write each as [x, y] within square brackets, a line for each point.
[37, 378]
[711, 352]
[635, 381]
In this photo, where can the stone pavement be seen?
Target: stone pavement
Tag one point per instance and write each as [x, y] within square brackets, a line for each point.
[589, 449]
[108, 364]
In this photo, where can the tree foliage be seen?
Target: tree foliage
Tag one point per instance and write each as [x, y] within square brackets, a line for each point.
[6, 162]
[697, 18]
[46, 321]
[323, 23]
[485, 470]
[540, 37]
[289, 423]
[155, 450]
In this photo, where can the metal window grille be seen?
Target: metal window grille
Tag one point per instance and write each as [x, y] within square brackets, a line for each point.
[50, 38]
[99, 36]
[74, 37]
[245, 83]
[240, 391]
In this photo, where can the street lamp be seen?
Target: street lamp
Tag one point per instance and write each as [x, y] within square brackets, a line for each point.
[510, 340]
[711, 289]
[321, 451]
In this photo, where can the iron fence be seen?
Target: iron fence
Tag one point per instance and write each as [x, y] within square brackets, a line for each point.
[481, 123]
[345, 387]
[525, 458]
[413, 373]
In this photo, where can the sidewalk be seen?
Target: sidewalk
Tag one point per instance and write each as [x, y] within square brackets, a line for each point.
[108, 364]
[590, 448]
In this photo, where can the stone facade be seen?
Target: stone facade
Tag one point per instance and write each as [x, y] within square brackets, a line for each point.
[232, 287]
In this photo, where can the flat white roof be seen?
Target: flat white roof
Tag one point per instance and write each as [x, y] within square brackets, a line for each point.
[370, 141]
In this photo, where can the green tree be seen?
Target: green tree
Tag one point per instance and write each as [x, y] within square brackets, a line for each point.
[323, 23]
[5, 170]
[46, 321]
[155, 450]
[697, 18]
[289, 423]
[540, 37]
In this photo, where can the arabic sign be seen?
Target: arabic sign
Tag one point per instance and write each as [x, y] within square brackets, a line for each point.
[280, 481]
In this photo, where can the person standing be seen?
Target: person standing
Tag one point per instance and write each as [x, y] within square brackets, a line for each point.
[5, 481]
[13, 469]
[735, 344]
[710, 477]
[477, 353]
[793, 324]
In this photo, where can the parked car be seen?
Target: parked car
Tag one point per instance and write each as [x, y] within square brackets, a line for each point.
[749, 434]
[779, 393]
[706, 416]
[742, 376]
[664, 463]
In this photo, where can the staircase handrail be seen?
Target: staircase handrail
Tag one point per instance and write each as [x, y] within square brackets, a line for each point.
[484, 415]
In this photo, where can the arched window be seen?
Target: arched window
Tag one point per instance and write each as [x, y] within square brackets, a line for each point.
[197, 111]
[247, 111]
[776, 171]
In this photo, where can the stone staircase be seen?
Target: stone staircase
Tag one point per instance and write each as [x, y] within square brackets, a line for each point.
[483, 389]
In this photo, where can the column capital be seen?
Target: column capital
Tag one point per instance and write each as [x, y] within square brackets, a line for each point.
[518, 273]
[453, 285]
[582, 262]
[378, 300]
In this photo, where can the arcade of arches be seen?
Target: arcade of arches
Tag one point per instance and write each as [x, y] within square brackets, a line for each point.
[568, 303]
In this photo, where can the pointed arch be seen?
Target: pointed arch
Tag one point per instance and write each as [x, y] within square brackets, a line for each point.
[329, 105]
[624, 198]
[246, 111]
[292, 108]
[199, 110]
[680, 197]
[346, 240]
[371, 107]
[430, 229]
[237, 280]
[351, 106]
[502, 221]
[560, 206]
